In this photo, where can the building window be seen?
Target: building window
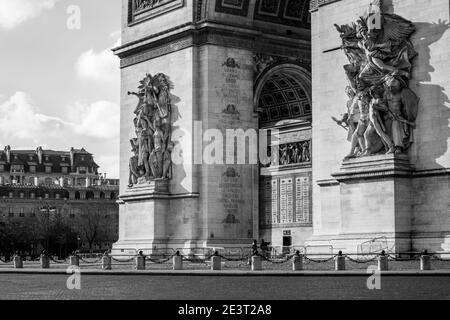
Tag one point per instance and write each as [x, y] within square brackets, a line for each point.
[11, 213]
[32, 195]
[33, 169]
[46, 158]
[2, 167]
[48, 169]
[64, 170]
[22, 195]
[22, 213]
[48, 181]
[16, 168]
[57, 196]
[47, 196]
[77, 195]
[72, 214]
[11, 195]
[33, 213]
[82, 170]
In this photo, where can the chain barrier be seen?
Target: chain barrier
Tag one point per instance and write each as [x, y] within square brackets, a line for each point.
[162, 261]
[289, 258]
[197, 260]
[320, 260]
[4, 260]
[437, 258]
[90, 262]
[235, 259]
[56, 261]
[362, 261]
[124, 261]
[394, 258]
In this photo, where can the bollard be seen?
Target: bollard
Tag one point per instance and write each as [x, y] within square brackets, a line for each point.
[340, 262]
[140, 261]
[106, 262]
[45, 261]
[178, 262]
[383, 262]
[425, 261]
[18, 262]
[216, 262]
[297, 264]
[256, 263]
[74, 261]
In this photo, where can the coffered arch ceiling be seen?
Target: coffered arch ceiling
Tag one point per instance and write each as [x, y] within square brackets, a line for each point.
[283, 97]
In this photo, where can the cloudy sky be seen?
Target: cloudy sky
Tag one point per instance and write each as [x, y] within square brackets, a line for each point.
[59, 81]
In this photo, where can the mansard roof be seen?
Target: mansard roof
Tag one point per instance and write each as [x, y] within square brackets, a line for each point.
[55, 159]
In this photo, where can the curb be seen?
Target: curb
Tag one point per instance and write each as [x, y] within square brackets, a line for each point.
[206, 273]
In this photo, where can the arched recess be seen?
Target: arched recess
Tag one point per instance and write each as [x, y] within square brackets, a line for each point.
[282, 99]
[293, 82]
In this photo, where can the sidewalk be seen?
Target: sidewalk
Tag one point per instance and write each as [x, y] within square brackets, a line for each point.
[231, 273]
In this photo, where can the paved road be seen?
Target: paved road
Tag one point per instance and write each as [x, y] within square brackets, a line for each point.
[27, 286]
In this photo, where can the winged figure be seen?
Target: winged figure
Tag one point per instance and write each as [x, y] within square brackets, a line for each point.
[380, 55]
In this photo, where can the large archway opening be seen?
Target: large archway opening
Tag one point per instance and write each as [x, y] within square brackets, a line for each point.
[283, 102]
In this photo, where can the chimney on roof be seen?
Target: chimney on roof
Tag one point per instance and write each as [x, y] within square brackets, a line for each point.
[39, 153]
[8, 154]
[72, 156]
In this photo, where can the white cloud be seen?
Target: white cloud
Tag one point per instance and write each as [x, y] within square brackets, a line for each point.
[93, 126]
[117, 36]
[99, 120]
[100, 66]
[15, 12]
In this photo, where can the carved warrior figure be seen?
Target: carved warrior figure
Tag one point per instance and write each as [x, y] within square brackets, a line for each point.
[381, 105]
[152, 148]
[145, 4]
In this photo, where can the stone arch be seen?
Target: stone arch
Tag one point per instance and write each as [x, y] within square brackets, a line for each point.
[296, 76]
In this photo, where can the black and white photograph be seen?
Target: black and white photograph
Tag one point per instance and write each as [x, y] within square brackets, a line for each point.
[224, 158]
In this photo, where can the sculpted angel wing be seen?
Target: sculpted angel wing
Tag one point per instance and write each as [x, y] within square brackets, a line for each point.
[396, 28]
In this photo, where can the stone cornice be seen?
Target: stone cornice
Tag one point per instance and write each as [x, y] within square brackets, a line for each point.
[188, 35]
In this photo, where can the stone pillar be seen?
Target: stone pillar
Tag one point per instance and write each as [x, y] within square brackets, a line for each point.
[2, 180]
[256, 263]
[340, 262]
[18, 262]
[106, 262]
[216, 263]
[140, 261]
[61, 182]
[383, 263]
[36, 181]
[74, 261]
[45, 261]
[88, 182]
[425, 262]
[297, 262]
[178, 262]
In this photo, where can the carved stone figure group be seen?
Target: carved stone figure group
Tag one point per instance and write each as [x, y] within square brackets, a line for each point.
[145, 4]
[291, 153]
[381, 110]
[152, 146]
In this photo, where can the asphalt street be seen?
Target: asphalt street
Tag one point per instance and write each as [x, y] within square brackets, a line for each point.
[156, 287]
